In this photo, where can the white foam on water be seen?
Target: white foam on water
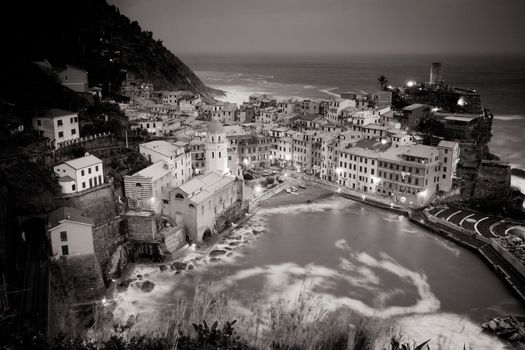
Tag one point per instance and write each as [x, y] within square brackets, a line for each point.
[329, 92]
[509, 117]
[328, 204]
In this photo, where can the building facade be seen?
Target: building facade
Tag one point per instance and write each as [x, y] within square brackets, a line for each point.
[80, 174]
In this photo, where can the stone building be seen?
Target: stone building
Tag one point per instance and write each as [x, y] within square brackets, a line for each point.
[205, 204]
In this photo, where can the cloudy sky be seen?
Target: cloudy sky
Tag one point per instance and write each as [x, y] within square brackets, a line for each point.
[332, 26]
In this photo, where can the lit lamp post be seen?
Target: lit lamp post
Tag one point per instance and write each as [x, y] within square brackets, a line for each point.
[423, 195]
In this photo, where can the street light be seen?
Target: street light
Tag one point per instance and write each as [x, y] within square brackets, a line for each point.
[411, 83]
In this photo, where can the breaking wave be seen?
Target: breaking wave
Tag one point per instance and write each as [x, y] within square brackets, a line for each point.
[509, 117]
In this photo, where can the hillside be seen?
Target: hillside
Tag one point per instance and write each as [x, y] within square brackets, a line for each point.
[89, 34]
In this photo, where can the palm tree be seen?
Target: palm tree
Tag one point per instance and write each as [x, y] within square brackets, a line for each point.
[382, 82]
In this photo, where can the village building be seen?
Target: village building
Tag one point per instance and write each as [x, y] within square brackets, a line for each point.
[336, 107]
[206, 204]
[79, 174]
[58, 126]
[449, 157]
[70, 233]
[74, 78]
[409, 175]
[147, 188]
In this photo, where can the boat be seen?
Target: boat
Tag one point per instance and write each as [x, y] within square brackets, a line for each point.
[302, 186]
[293, 189]
[288, 190]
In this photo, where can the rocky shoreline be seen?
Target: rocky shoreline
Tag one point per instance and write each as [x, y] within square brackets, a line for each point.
[508, 328]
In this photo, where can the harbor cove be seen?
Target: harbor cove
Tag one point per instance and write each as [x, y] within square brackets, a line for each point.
[338, 254]
[263, 175]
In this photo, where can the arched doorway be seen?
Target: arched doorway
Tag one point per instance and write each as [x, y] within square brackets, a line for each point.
[206, 235]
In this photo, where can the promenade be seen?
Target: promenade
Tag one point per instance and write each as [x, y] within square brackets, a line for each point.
[474, 236]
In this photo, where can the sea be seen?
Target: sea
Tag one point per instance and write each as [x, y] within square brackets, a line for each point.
[499, 79]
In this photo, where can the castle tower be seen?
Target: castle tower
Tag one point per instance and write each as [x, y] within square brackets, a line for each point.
[216, 147]
[435, 73]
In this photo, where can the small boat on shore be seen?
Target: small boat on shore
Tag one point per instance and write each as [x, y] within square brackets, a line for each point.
[302, 186]
[288, 190]
[293, 189]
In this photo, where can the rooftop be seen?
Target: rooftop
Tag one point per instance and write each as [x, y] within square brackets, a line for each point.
[447, 144]
[56, 217]
[203, 187]
[163, 147]
[83, 162]
[154, 171]
[414, 106]
[56, 113]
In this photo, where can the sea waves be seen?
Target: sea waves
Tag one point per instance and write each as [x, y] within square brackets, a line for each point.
[509, 117]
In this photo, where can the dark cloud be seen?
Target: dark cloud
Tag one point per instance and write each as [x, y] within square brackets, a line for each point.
[333, 26]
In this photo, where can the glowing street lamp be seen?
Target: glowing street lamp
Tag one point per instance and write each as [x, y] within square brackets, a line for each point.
[258, 189]
[411, 83]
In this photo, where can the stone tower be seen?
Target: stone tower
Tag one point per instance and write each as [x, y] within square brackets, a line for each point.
[435, 73]
[216, 147]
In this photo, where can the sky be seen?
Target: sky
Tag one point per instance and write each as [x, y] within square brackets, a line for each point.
[332, 27]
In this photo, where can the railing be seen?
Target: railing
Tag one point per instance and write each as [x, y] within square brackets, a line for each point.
[82, 139]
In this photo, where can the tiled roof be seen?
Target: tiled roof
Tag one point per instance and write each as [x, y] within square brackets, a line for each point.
[56, 217]
[83, 162]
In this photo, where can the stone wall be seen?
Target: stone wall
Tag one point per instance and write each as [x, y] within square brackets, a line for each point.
[75, 287]
[106, 238]
[142, 226]
[98, 203]
[84, 272]
[224, 221]
[174, 238]
[492, 182]
[511, 259]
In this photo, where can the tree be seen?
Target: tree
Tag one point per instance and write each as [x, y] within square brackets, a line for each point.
[382, 82]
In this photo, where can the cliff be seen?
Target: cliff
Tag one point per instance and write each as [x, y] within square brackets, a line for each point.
[89, 34]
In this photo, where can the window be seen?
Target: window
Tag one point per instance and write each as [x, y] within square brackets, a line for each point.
[63, 236]
[89, 170]
[219, 155]
[60, 134]
[96, 167]
[39, 122]
[59, 122]
[73, 187]
[213, 154]
[83, 185]
[73, 131]
[65, 250]
[82, 172]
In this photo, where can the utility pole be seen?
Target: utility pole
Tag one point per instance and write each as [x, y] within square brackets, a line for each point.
[127, 145]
